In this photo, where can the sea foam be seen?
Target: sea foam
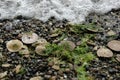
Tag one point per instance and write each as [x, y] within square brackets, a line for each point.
[73, 10]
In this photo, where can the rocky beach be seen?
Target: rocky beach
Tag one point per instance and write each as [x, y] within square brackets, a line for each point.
[56, 63]
[59, 40]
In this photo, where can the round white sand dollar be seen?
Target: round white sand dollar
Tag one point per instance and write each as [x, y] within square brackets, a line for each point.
[114, 45]
[104, 52]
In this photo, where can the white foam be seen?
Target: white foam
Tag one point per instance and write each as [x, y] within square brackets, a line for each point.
[73, 10]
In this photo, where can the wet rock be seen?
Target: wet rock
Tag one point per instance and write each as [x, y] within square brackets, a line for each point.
[8, 26]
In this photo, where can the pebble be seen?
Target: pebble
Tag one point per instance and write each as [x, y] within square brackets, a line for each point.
[56, 67]
[6, 65]
[36, 78]
[2, 75]
[17, 69]
[53, 78]
[111, 33]
[118, 57]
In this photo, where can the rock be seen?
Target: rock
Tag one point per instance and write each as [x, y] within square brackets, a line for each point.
[118, 57]
[78, 43]
[47, 76]
[111, 33]
[36, 78]
[6, 65]
[1, 41]
[8, 26]
[53, 78]
[104, 52]
[56, 67]
[95, 48]
[2, 75]
[114, 45]
[17, 69]
[54, 35]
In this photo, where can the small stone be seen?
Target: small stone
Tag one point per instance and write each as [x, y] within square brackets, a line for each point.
[118, 57]
[36, 78]
[1, 40]
[6, 65]
[47, 76]
[104, 52]
[53, 78]
[54, 35]
[111, 33]
[114, 45]
[51, 63]
[17, 69]
[78, 43]
[1, 24]
[95, 48]
[8, 26]
[56, 67]
[2, 75]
